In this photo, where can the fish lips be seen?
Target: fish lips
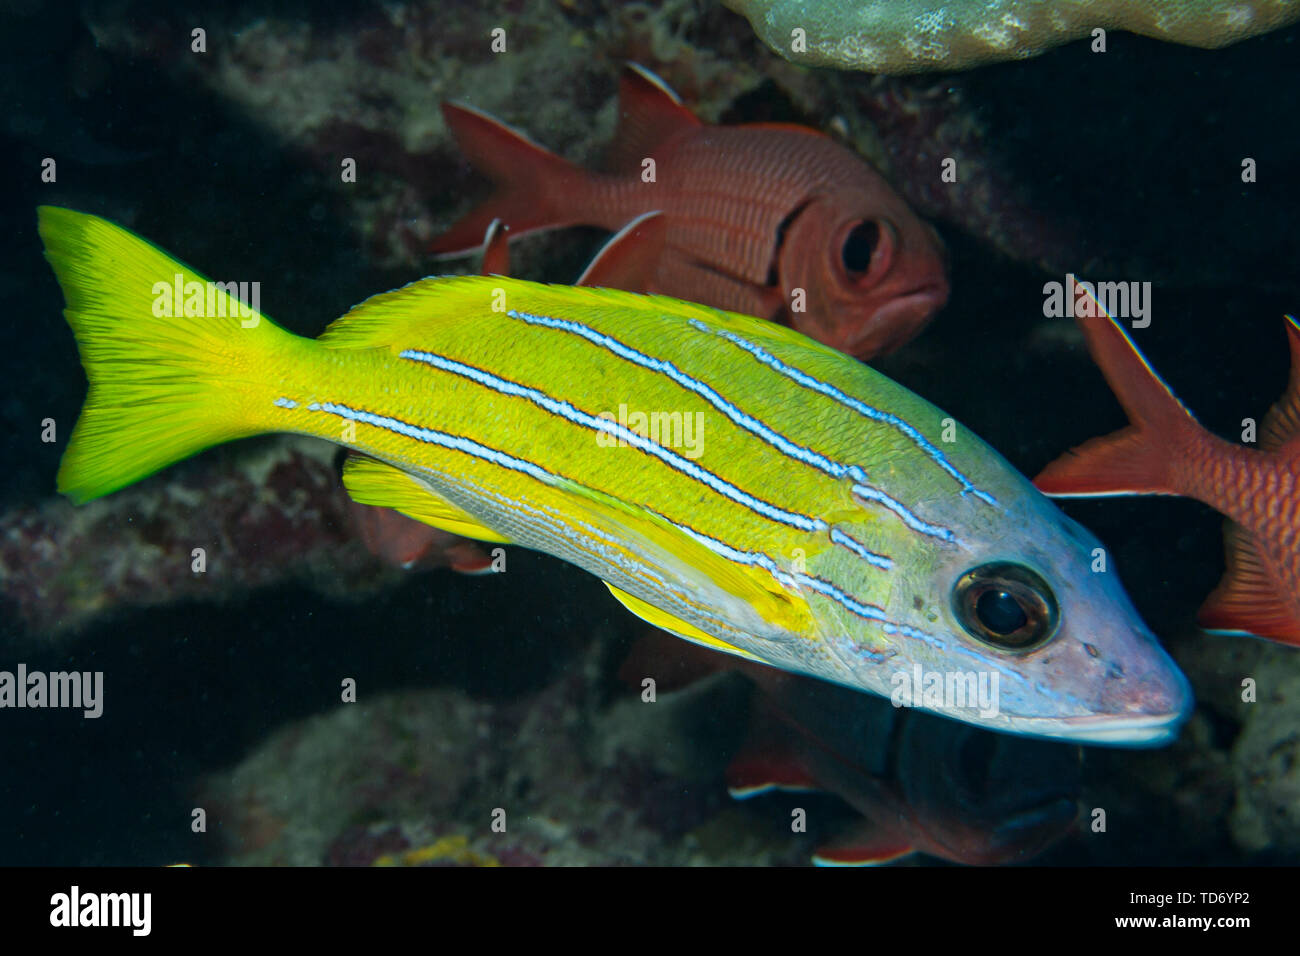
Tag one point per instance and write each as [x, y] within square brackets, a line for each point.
[896, 322]
[1152, 724]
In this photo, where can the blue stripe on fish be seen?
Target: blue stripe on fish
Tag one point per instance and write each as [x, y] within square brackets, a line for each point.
[868, 493]
[797, 581]
[870, 612]
[867, 411]
[575, 415]
[882, 561]
[442, 439]
[730, 409]
[704, 391]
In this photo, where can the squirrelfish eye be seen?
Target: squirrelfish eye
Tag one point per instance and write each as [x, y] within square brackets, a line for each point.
[859, 246]
[1006, 605]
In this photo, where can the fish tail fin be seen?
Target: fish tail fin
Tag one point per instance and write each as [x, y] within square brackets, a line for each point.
[1139, 459]
[165, 383]
[535, 186]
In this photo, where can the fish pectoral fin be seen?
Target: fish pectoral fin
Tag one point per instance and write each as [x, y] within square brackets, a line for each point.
[675, 625]
[711, 577]
[372, 482]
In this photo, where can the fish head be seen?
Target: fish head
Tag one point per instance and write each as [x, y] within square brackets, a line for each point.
[1009, 615]
[983, 798]
[873, 274]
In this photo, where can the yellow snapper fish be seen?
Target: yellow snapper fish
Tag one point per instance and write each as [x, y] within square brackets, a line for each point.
[819, 522]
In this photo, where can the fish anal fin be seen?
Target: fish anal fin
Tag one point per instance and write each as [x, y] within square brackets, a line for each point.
[372, 482]
[864, 844]
[1282, 423]
[629, 259]
[675, 625]
[1247, 600]
[767, 762]
[650, 114]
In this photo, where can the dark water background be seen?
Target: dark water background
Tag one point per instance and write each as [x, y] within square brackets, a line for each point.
[1143, 155]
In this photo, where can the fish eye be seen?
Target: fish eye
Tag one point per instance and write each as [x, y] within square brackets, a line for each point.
[1005, 605]
[859, 246]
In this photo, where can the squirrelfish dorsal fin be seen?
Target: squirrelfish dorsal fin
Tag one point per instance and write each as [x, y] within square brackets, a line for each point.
[649, 114]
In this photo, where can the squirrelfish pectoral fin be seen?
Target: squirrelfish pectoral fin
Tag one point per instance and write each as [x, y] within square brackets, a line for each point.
[371, 482]
[675, 625]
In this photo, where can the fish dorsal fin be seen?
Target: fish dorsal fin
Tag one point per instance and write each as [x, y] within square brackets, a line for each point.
[1247, 599]
[628, 261]
[1282, 423]
[372, 482]
[675, 625]
[401, 315]
[649, 114]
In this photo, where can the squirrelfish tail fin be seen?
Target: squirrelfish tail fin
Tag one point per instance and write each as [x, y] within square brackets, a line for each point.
[174, 360]
[1138, 459]
[533, 182]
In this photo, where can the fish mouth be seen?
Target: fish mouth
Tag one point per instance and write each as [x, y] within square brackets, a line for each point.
[897, 321]
[1136, 730]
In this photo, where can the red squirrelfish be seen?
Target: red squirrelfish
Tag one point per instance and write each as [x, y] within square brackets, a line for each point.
[1165, 451]
[923, 784]
[773, 220]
